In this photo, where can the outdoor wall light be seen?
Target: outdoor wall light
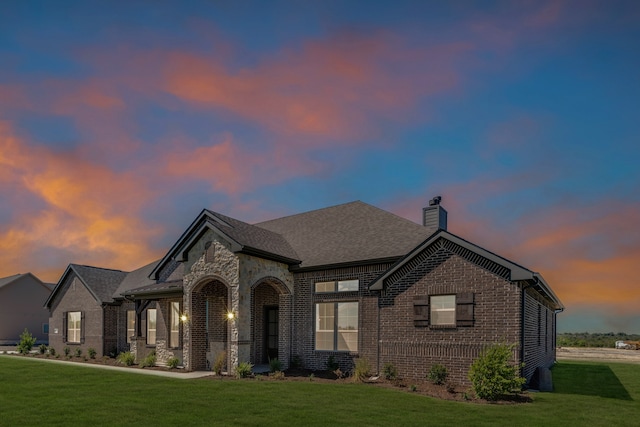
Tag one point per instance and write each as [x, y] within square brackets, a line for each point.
[230, 315]
[183, 317]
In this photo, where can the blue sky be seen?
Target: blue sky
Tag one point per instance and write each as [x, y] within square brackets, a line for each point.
[119, 122]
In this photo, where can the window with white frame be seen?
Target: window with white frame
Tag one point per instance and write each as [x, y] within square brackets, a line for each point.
[443, 310]
[337, 326]
[74, 327]
[174, 330]
[337, 286]
[151, 326]
[131, 324]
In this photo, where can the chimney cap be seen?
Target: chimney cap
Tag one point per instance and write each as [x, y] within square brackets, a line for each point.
[435, 201]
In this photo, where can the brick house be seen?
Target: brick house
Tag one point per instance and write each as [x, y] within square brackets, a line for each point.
[345, 281]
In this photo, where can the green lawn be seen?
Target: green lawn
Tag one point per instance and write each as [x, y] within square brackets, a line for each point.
[38, 393]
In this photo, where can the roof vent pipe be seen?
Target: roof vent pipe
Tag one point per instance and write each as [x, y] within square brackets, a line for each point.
[434, 216]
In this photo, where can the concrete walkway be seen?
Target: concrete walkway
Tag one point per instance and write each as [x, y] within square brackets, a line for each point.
[168, 374]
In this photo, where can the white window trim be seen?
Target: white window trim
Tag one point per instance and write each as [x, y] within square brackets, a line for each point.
[74, 334]
[174, 326]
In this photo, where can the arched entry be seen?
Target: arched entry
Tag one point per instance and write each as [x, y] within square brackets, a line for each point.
[209, 325]
[270, 305]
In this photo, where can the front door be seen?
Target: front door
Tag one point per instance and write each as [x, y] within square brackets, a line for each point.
[271, 332]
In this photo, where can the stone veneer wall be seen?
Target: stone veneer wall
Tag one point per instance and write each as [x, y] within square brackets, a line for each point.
[223, 266]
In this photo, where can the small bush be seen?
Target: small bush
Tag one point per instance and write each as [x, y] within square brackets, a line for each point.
[296, 362]
[413, 388]
[173, 362]
[451, 387]
[220, 362]
[332, 365]
[243, 370]
[126, 358]
[67, 351]
[338, 373]
[78, 352]
[277, 375]
[362, 369]
[493, 375]
[275, 365]
[437, 374]
[27, 341]
[92, 352]
[42, 348]
[389, 371]
[52, 351]
[149, 361]
[311, 377]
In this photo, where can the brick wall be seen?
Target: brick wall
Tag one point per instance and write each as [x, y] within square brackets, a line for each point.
[539, 332]
[74, 296]
[304, 300]
[444, 269]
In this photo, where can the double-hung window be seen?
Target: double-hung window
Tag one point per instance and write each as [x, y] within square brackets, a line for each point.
[131, 324]
[74, 327]
[443, 310]
[151, 326]
[337, 326]
[174, 330]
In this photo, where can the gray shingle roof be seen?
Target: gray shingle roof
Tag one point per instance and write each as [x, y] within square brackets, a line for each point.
[102, 282]
[6, 280]
[258, 238]
[136, 279]
[352, 232]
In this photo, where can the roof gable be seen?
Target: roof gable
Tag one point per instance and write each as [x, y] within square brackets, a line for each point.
[6, 281]
[100, 282]
[480, 256]
[241, 236]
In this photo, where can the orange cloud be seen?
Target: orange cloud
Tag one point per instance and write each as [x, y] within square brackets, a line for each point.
[334, 88]
[90, 212]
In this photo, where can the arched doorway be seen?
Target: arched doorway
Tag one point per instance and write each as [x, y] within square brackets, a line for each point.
[271, 321]
[209, 324]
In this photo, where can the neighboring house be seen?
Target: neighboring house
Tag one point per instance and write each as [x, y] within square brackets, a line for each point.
[344, 282]
[21, 298]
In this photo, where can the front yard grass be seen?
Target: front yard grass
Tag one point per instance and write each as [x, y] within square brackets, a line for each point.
[36, 393]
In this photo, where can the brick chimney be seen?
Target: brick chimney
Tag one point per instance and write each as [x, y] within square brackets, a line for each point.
[434, 217]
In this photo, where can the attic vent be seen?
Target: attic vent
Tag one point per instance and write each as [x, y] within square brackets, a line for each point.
[209, 251]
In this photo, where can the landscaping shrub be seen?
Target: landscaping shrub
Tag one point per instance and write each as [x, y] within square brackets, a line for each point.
[52, 351]
[277, 375]
[219, 363]
[67, 351]
[493, 375]
[244, 370]
[149, 361]
[78, 352]
[126, 358]
[362, 369]
[173, 362]
[42, 348]
[389, 371]
[27, 341]
[332, 365]
[275, 365]
[296, 362]
[437, 374]
[92, 352]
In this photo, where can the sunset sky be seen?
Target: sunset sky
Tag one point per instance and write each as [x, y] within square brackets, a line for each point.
[121, 121]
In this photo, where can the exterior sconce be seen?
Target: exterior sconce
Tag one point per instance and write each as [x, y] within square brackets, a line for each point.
[231, 315]
[183, 318]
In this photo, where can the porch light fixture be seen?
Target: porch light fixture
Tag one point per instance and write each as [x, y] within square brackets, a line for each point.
[230, 315]
[183, 317]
